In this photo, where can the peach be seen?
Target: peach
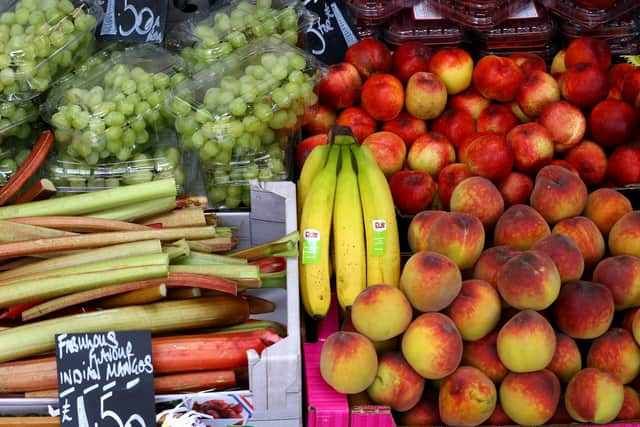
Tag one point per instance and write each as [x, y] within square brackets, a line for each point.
[430, 281]
[605, 206]
[529, 62]
[454, 66]
[616, 352]
[621, 274]
[412, 191]
[584, 310]
[479, 197]
[514, 107]
[529, 280]
[432, 345]
[496, 118]
[348, 362]
[418, 230]
[617, 73]
[426, 95]
[470, 101]
[584, 84]
[497, 78]
[306, 146]
[628, 318]
[630, 405]
[455, 124]
[586, 236]
[516, 188]
[487, 154]
[561, 416]
[532, 147]
[409, 58]
[631, 88]
[590, 50]
[538, 90]
[381, 302]
[526, 343]
[381, 346]
[491, 261]
[558, 65]
[565, 122]
[594, 396]
[406, 126]
[459, 236]
[624, 237]
[483, 354]
[448, 178]
[612, 122]
[341, 87]
[370, 56]
[558, 194]
[388, 149]
[530, 398]
[361, 123]
[430, 153]
[565, 254]
[467, 397]
[425, 413]
[635, 327]
[590, 160]
[318, 119]
[499, 417]
[476, 309]
[383, 97]
[623, 167]
[564, 164]
[397, 384]
[520, 226]
[567, 359]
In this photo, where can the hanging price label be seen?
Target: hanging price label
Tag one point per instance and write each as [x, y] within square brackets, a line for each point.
[105, 379]
[330, 37]
[137, 21]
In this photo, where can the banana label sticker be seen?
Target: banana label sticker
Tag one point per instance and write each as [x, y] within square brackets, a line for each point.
[379, 241]
[310, 246]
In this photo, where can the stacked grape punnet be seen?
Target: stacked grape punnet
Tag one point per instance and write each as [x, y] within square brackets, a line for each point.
[39, 41]
[111, 118]
[241, 125]
[70, 176]
[235, 26]
[16, 119]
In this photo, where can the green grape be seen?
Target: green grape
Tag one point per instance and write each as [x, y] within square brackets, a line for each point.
[197, 139]
[238, 107]
[217, 194]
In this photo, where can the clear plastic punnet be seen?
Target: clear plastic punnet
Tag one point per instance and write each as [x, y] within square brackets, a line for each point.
[108, 112]
[588, 17]
[625, 26]
[246, 105]
[16, 120]
[15, 150]
[478, 15]
[41, 40]
[376, 12]
[235, 24]
[160, 159]
[434, 31]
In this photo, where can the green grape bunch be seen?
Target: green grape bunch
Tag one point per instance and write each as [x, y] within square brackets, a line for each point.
[16, 119]
[39, 41]
[236, 25]
[109, 116]
[156, 163]
[247, 108]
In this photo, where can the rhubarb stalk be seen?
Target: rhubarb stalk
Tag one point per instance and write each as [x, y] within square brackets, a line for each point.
[285, 246]
[218, 244]
[137, 297]
[135, 211]
[187, 217]
[202, 258]
[177, 250]
[41, 190]
[78, 224]
[28, 168]
[161, 317]
[81, 204]
[195, 381]
[247, 276]
[14, 232]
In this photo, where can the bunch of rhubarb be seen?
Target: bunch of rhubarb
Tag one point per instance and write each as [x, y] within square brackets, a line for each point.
[134, 257]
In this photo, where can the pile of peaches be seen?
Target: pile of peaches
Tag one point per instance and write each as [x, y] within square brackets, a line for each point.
[435, 118]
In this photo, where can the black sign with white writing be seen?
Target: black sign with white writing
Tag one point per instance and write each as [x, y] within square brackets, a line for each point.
[333, 33]
[138, 21]
[105, 379]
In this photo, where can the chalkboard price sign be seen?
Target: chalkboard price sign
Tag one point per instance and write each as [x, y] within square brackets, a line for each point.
[330, 37]
[105, 379]
[138, 21]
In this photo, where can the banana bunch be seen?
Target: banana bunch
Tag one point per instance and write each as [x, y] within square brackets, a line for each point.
[348, 225]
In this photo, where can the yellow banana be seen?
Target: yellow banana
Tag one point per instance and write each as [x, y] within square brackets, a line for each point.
[315, 230]
[380, 223]
[314, 162]
[348, 234]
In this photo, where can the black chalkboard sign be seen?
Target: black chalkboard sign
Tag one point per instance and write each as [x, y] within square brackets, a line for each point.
[329, 38]
[105, 379]
[136, 21]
